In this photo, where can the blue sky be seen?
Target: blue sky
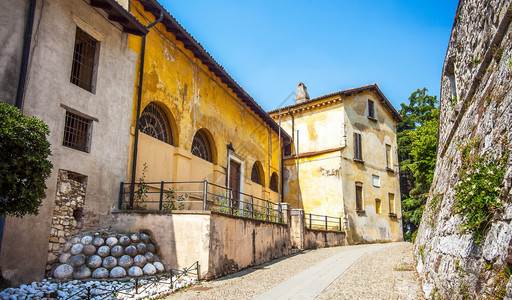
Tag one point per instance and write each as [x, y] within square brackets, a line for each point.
[268, 47]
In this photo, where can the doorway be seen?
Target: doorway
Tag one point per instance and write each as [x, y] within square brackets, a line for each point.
[234, 181]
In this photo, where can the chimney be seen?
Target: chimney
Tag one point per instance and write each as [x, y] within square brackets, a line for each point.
[302, 93]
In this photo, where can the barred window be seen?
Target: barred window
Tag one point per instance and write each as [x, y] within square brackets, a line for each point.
[274, 181]
[153, 122]
[201, 147]
[84, 60]
[77, 132]
[358, 152]
[255, 174]
[359, 196]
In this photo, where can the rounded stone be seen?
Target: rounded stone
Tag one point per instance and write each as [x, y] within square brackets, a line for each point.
[100, 273]
[140, 261]
[109, 262]
[131, 250]
[86, 240]
[98, 241]
[135, 272]
[144, 237]
[94, 261]
[64, 258]
[117, 251]
[67, 246]
[134, 237]
[141, 248]
[76, 249]
[103, 251]
[149, 269]
[111, 241]
[75, 240]
[89, 250]
[149, 257]
[150, 248]
[125, 261]
[159, 267]
[82, 273]
[77, 260]
[124, 241]
[117, 272]
[63, 272]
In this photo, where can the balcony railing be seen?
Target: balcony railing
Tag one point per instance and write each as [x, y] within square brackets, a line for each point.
[322, 222]
[196, 195]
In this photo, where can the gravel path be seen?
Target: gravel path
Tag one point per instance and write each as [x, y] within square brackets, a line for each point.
[379, 274]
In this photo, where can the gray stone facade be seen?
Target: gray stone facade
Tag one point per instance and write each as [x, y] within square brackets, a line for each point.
[475, 114]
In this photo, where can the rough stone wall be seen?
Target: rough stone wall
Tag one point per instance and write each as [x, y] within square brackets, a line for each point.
[476, 114]
[67, 212]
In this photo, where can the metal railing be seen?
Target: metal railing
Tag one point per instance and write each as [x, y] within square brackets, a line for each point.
[322, 222]
[196, 195]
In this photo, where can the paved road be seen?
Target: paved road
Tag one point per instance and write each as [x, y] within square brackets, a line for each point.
[379, 271]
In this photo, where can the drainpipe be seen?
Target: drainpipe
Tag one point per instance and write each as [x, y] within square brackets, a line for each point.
[280, 183]
[293, 124]
[20, 93]
[298, 184]
[139, 101]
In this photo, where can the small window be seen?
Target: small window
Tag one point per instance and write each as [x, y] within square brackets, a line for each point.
[201, 147]
[85, 57]
[358, 152]
[376, 180]
[359, 196]
[388, 156]
[288, 150]
[378, 208]
[392, 211]
[256, 174]
[274, 181]
[371, 109]
[77, 132]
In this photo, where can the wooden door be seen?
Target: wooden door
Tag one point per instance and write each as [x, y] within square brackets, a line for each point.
[234, 181]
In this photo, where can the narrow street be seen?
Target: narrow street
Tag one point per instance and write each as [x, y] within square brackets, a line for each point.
[377, 271]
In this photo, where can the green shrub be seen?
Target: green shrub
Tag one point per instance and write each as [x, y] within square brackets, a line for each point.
[24, 164]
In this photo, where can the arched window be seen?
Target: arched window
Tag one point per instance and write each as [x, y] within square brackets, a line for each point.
[201, 146]
[153, 122]
[256, 175]
[274, 182]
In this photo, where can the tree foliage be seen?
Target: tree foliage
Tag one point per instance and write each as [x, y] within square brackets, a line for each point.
[417, 142]
[24, 164]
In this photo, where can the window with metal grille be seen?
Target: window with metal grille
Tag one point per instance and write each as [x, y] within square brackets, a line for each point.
[77, 132]
[358, 151]
[391, 198]
[255, 174]
[274, 181]
[371, 109]
[201, 146]
[84, 60]
[153, 122]
[359, 196]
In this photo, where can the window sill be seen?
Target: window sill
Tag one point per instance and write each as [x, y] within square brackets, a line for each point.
[390, 170]
[360, 211]
[372, 118]
[359, 160]
[392, 215]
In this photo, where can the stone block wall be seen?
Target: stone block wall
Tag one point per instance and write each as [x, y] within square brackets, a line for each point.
[475, 119]
[67, 212]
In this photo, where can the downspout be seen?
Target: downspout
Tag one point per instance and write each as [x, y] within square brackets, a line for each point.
[139, 101]
[20, 93]
[280, 183]
[293, 125]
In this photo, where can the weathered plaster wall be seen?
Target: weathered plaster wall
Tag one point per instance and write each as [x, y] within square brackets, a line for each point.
[222, 244]
[478, 71]
[194, 98]
[13, 18]
[24, 256]
[323, 238]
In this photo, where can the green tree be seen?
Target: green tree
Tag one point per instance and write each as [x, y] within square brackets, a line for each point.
[417, 142]
[24, 164]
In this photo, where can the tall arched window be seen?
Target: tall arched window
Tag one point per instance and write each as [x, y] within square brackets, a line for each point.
[274, 181]
[256, 174]
[153, 122]
[201, 146]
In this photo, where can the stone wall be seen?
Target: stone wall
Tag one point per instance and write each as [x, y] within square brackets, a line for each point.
[475, 118]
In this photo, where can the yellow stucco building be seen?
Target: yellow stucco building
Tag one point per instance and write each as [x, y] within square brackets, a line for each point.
[347, 160]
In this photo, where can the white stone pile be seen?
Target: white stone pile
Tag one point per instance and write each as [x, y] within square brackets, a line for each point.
[101, 256]
[149, 288]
